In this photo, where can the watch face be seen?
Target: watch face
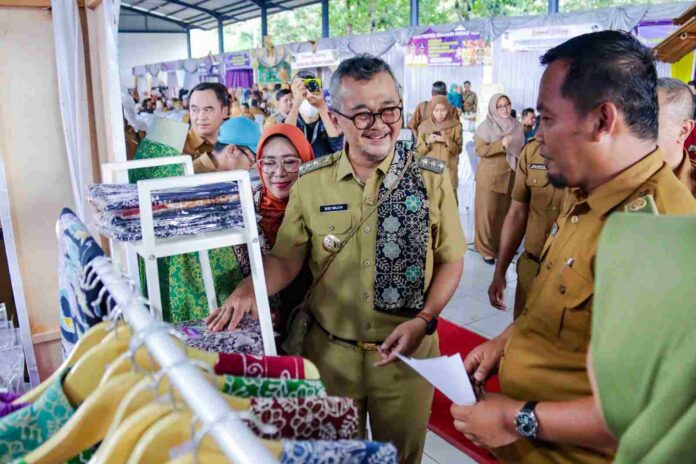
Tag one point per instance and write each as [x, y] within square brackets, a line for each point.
[526, 424]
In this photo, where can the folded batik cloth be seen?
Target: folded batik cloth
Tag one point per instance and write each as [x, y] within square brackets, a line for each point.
[246, 338]
[108, 197]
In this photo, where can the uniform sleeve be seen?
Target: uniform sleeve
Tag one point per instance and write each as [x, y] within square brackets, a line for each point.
[204, 164]
[292, 241]
[422, 148]
[449, 243]
[454, 144]
[484, 149]
[520, 191]
[416, 120]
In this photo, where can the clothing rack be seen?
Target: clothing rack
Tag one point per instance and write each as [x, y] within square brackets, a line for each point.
[235, 440]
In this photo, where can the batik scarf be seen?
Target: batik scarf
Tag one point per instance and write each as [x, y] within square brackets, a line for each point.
[403, 224]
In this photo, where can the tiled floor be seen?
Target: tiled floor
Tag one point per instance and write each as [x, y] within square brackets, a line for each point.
[470, 308]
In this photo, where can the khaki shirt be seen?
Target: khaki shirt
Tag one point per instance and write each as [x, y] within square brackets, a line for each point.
[470, 102]
[533, 188]
[204, 164]
[195, 145]
[544, 358]
[494, 173]
[448, 151]
[342, 302]
[686, 173]
[417, 118]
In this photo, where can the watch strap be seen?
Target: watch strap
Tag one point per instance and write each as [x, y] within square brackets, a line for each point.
[529, 406]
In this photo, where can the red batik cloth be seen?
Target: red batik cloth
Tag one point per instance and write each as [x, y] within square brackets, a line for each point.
[247, 365]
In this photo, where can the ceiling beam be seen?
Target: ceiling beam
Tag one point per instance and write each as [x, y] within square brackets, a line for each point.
[193, 6]
[159, 16]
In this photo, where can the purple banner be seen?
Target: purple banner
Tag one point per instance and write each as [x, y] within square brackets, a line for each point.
[238, 60]
[457, 48]
[651, 33]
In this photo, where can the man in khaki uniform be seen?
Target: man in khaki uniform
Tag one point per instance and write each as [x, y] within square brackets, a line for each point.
[382, 293]
[469, 99]
[533, 211]
[208, 108]
[676, 110]
[598, 134]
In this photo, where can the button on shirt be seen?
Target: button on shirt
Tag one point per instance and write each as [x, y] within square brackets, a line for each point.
[532, 186]
[544, 359]
[343, 301]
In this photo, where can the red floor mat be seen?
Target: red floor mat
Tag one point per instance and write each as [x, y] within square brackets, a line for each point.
[455, 339]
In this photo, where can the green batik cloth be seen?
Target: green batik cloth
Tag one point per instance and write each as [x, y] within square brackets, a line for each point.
[25, 430]
[259, 387]
[181, 281]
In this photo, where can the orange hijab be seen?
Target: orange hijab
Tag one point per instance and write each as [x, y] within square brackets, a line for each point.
[271, 208]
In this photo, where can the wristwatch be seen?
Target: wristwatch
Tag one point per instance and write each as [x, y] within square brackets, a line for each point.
[430, 322]
[526, 422]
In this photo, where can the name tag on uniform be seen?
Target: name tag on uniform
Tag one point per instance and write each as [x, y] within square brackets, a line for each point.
[540, 166]
[330, 208]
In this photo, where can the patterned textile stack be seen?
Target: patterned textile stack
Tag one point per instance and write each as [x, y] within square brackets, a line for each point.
[182, 211]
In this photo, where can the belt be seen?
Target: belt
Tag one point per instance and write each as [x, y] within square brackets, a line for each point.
[365, 346]
[532, 257]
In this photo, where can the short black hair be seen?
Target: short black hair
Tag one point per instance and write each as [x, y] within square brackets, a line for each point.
[219, 89]
[692, 83]
[305, 74]
[611, 66]
[467, 82]
[254, 103]
[281, 93]
[439, 88]
[527, 111]
[513, 113]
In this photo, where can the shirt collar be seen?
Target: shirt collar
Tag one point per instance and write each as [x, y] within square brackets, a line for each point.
[614, 192]
[345, 168]
[195, 139]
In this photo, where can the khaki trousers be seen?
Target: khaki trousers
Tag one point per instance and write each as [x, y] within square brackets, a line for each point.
[397, 399]
[490, 209]
[527, 270]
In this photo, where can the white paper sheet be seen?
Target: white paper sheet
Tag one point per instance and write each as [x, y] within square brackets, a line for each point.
[447, 374]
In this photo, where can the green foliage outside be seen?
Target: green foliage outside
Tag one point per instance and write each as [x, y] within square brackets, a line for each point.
[363, 16]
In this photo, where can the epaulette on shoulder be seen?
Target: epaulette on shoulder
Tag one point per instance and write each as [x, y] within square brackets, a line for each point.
[319, 163]
[432, 164]
[643, 204]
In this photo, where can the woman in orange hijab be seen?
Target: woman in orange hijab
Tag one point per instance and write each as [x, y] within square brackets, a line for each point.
[281, 150]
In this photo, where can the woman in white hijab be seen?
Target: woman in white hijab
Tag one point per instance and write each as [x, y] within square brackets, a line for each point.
[499, 140]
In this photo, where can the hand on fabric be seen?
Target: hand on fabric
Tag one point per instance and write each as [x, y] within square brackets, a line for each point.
[490, 422]
[405, 339]
[505, 140]
[482, 362]
[496, 292]
[299, 91]
[242, 301]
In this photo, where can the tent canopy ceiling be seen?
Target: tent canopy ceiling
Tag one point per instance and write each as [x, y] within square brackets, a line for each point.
[180, 15]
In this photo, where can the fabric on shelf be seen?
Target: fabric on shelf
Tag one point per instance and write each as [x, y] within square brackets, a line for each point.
[331, 418]
[259, 387]
[76, 249]
[277, 367]
[174, 206]
[340, 451]
[181, 281]
[25, 430]
[246, 338]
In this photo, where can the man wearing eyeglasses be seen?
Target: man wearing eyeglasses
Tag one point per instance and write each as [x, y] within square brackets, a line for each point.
[390, 279]
[208, 108]
[235, 148]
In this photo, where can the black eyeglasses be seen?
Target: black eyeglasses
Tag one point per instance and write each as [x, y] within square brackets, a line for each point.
[366, 119]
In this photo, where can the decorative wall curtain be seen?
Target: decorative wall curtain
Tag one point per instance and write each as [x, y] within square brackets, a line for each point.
[154, 70]
[190, 67]
[72, 93]
[239, 78]
[140, 74]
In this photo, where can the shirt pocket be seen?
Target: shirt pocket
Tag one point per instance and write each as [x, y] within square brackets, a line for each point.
[337, 224]
[574, 326]
[537, 178]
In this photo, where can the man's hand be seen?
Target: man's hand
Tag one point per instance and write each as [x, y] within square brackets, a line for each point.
[496, 292]
[490, 422]
[316, 101]
[299, 91]
[405, 339]
[239, 303]
[482, 362]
